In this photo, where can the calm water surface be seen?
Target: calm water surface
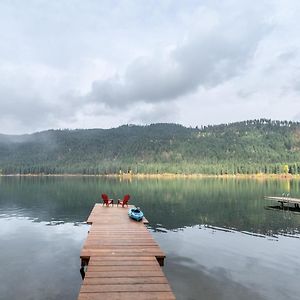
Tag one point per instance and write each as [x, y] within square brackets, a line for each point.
[221, 238]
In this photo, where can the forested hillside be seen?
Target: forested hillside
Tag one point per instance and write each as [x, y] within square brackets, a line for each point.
[256, 146]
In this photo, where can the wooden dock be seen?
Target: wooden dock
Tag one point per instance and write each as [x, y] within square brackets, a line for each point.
[121, 259]
[285, 200]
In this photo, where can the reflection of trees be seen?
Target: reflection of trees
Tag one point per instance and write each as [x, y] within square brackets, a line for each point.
[173, 203]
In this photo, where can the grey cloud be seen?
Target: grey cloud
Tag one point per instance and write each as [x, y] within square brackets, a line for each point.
[146, 79]
[30, 110]
[161, 112]
[203, 60]
[296, 85]
[245, 93]
[287, 56]
[296, 117]
[206, 51]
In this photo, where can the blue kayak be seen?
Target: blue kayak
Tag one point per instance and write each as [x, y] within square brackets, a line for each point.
[135, 214]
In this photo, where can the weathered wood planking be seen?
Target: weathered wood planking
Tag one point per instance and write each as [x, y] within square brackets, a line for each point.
[282, 200]
[123, 260]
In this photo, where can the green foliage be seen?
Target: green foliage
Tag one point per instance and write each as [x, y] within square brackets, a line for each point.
[249, 147]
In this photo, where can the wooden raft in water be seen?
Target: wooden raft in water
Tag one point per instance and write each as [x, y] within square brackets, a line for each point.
[285, 200]
[123, 260]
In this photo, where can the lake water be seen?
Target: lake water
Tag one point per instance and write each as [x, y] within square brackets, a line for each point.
[221, 238]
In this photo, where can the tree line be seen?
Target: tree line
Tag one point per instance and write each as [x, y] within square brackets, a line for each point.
[249, 147]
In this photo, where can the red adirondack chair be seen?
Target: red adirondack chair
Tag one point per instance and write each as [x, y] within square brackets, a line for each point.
[106, 200]
[124, 201]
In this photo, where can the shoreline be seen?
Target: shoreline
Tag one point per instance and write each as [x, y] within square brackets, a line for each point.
[165, 176]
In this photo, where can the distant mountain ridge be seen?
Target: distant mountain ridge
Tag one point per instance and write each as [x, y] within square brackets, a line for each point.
[253, 146]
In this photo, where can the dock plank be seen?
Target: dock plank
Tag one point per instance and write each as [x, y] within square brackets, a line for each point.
[123, 258]
[113, 274]
[123, 268]
[121, 263]
[127, 296]
[139, 287]
[124, 280]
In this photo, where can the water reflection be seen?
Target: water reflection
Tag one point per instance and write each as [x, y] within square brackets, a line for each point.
[237, 204]
[222, 239]
[39, 262]
[284, 208]
[207, 263]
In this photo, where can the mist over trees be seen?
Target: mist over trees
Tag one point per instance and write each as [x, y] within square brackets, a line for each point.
[249, 147]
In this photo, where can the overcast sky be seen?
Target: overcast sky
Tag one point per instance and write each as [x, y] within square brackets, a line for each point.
[101, 64]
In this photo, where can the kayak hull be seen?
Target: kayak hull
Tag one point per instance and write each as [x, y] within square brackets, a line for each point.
[135, 214]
